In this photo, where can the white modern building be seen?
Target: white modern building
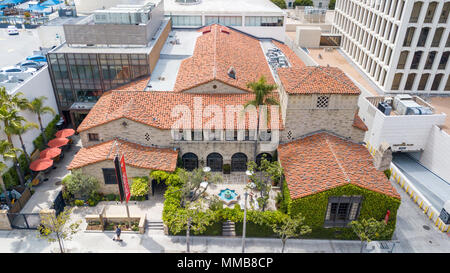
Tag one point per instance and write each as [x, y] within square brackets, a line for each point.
[404, 129]
[37, 85]
[401, 45]
[260, 18]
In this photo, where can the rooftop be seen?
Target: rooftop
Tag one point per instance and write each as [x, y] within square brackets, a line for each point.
[222, 7]
[317, 80]
[323, 161]
[135, 155]
[155, 108]
[218, 50]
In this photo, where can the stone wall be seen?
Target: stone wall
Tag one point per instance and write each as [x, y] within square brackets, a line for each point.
[303, 117]
[96, 171]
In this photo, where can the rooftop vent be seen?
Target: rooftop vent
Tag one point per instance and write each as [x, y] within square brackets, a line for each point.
[232, 73]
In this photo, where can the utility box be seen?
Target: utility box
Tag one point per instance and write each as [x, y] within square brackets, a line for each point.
[385, 108]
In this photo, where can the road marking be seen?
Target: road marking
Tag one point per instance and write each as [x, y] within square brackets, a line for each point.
[10, 50]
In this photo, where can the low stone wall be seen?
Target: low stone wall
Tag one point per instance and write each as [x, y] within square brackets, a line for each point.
[117, 219]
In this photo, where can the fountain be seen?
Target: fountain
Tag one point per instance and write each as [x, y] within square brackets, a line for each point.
[228, 196]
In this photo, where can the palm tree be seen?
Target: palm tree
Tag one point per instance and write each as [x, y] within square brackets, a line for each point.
[263, 96]
[37, 107]
[18, 128]
[13, 101]
[11, 120]
[7, 151]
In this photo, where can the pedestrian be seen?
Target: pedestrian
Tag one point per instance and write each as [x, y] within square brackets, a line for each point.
[118, 231]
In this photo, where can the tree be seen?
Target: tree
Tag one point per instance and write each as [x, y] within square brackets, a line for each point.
[263, 96]
[191, 189]
[303, 3]
[280, 3]
[289, 228]
[19, 129]
[54, 229]
[37, 107]
[369, 229]
[7, 151]
[80, 184]
[267, 171]
[194, 218]
[332, 4]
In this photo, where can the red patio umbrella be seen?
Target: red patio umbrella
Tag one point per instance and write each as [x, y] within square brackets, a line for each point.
[41, 164]
[65, 133]
[50, 153]
[57, 142]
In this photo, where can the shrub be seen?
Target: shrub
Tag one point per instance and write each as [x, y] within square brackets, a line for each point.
[139, 187]
[80, 184]
[226, 168]
[79, 202]
[91, 203]
[388, 173]
[49, 132]
[111, 197]
[303, 3]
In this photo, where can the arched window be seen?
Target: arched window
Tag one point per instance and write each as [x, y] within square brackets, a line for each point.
[239, 162]
[261, 156]
[430, 12]
[437, 37]
[423, 36]
[436, 82]
[409, 36]
[190, 161]
[215, 162]
[402, 59]
[415, 12]
[410, 81]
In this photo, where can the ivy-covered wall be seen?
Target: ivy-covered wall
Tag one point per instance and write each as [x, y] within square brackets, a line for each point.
[314, 207]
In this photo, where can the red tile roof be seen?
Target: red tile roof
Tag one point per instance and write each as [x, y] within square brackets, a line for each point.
[358, 123]
[323, 161]
[155, 108]
[135, 155]
[316, 80]
[216, 51]
[293, 59]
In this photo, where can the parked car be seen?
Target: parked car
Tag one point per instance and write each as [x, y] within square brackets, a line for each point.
[30, 64]
[37, 58]
[16, 69]
[12, 30]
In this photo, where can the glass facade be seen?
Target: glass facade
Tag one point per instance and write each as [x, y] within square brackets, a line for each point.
[224, 20]
[264, 21]
[181, 21]
[84, 77]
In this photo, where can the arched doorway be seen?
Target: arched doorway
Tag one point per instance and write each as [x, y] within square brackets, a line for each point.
[190, 161]
[215, 162]
[239, 162]
[260, 157]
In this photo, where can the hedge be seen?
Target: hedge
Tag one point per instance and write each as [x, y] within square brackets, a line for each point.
[314, 207]
[49, 131]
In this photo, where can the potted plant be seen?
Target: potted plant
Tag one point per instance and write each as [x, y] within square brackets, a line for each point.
[226, 169]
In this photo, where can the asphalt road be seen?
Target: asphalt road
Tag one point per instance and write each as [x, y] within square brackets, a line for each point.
[15, 48]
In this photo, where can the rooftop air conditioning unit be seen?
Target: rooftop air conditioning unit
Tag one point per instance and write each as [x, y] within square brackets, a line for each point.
[404, 107]
[399, 98]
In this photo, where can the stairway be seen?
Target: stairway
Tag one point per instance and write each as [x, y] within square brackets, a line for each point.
[155, 225]
[228, 228]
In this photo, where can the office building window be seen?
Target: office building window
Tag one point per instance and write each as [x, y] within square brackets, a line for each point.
[224, 20]
[179, 21]
[93, 137]
[264, 21]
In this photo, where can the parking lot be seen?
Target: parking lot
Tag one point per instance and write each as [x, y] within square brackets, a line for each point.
[15, 48]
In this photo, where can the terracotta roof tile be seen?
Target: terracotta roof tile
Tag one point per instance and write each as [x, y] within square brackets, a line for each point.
[358, 123]
[316, 80]
[155, 108]
[216, 51]
[135, 155]
[323, 161]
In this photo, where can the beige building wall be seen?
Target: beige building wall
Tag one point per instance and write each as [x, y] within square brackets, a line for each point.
[96, 171]
[156, 50]
[303, 116]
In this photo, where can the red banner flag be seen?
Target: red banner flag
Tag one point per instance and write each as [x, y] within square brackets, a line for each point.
[126, 186]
